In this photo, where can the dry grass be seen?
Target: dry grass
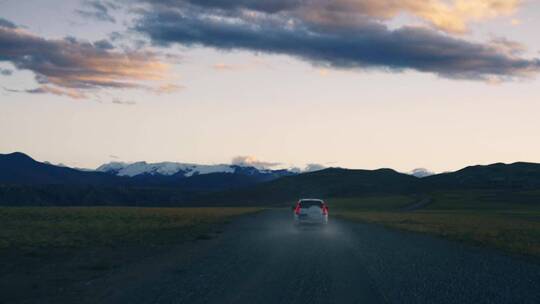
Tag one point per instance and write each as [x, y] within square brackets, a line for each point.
[43, 227]
[371, 203]
[513, 232]
[510, 222]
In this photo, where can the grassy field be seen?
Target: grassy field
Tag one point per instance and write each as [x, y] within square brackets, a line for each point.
[44, 227]
[371, 203]
[55, 255]
[506, 221]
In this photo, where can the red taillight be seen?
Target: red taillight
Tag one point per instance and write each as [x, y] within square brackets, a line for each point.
[297, 209]
[324, 210]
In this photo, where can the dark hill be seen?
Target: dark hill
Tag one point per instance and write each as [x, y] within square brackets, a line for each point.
[516, 176]
[20, 169]
[220, 181]
[24, 181]
[332, 182]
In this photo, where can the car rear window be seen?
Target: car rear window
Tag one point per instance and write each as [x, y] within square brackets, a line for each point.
[307, 204]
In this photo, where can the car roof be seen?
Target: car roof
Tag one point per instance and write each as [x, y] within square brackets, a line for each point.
[311, 199]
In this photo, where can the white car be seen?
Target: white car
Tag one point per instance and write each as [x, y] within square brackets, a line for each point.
[312, 211]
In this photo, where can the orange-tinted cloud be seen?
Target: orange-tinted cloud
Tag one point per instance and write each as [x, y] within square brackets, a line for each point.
[448, 15]
[345, 34]
[223, 67]
[169, 88]
[71, 67]
[46, 89]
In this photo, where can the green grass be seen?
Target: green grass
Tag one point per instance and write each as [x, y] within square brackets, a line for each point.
[47, 227]
[506, 221]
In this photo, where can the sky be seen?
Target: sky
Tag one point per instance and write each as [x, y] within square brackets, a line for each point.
[437, 84]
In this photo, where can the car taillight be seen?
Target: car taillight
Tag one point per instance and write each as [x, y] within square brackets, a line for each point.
[324, 210]
[297, 209]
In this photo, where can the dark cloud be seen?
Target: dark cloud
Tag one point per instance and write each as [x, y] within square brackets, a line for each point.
[272, 6]
[71, 67]
[447, 15]
[6, 23]
[358, 44]
[97, 10]
[104, 45]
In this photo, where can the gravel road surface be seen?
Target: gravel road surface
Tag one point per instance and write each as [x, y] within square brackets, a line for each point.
[264, 259]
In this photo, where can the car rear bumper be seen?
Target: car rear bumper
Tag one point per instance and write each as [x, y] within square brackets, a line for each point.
[310, 220]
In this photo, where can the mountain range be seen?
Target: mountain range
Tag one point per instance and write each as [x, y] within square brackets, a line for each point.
[20, 169]
[24, 181]
[183, 169]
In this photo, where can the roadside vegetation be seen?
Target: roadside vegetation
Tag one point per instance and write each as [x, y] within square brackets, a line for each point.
[509, 221]
[58, 227]
[57, 254]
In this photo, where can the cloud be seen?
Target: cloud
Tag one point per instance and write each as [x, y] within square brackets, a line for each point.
[223, 67]
[251, 161]
[314, 167]
[7, 24]
[237, 66]
[508, 47]
[97, 10]
[421, 172]
[45, 89]
[447, 15]
[450, 16]
[515, 22]
[169, 88]
[73, 68]
[104, 44]
[356, 40]
[123, 102]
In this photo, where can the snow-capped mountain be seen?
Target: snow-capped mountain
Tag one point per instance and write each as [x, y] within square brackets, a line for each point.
[180, 169]
[421, 172]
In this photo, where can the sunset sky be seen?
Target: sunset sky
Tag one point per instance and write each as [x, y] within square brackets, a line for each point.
[350, 83]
